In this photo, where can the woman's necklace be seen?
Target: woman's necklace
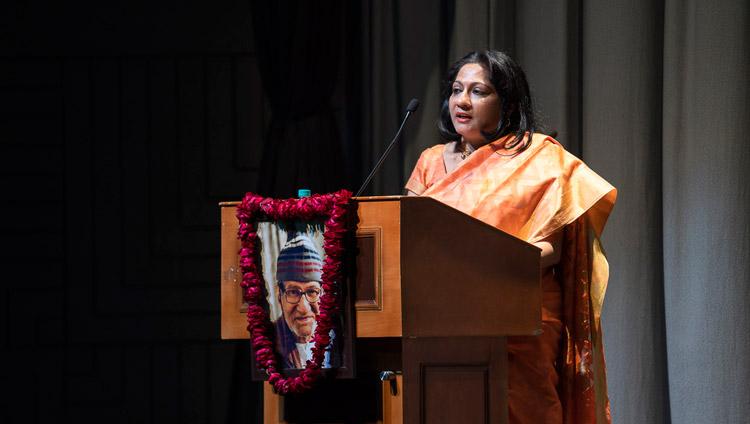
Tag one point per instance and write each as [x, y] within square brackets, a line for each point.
[465, 150]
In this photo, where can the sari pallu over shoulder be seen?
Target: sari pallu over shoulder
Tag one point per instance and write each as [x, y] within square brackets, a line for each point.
[531, 195]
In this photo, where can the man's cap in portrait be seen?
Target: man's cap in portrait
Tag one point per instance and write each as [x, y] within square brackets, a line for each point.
[299, 260]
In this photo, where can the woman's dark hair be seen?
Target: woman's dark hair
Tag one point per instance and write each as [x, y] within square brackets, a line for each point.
[511, 86]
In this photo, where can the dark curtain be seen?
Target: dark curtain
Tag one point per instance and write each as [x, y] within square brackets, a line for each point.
[299, 45]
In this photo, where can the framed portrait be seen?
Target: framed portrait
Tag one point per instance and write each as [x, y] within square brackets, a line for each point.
[290, 254]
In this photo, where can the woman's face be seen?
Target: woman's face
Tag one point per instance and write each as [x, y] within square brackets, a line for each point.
[474, 104]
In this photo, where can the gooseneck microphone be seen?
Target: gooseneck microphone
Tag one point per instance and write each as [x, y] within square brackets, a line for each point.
[410, 109]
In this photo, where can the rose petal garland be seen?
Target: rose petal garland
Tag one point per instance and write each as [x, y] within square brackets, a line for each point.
[334, 207]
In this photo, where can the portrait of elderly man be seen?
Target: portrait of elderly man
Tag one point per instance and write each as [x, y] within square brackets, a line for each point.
[298, 278]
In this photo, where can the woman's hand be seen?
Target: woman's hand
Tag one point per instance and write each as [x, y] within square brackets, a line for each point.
[551, 249]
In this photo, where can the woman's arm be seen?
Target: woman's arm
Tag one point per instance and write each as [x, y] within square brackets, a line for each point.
[551, 249]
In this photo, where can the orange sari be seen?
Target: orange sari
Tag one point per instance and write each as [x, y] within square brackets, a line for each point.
[560, 375]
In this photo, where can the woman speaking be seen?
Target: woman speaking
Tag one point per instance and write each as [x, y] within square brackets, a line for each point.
[496, 168]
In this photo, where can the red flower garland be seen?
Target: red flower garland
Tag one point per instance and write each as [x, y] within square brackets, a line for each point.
[334, 207]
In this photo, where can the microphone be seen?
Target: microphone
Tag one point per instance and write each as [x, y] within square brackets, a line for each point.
[410, 109]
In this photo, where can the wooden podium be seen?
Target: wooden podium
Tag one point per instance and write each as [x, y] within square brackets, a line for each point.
[446, 287]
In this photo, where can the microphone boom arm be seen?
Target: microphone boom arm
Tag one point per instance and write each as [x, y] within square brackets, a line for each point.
[413, 105]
